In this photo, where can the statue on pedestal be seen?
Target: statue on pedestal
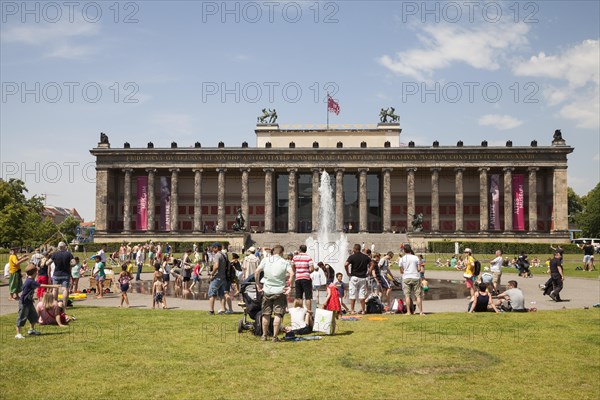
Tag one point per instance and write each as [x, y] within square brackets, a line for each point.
[386, 113]
[103, 138]
[557, 139]
[240, 223]
[268, 116]
[417, 222]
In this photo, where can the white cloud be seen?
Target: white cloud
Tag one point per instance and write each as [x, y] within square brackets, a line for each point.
[578, 67]
[57, 40]
[501, 122]
[481, 46]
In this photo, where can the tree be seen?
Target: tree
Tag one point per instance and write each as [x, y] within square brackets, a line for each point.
[20, 217]
[575, 204]
[68, 228]
[589, 219]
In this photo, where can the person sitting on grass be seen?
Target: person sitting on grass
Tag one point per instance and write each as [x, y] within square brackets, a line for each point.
[52, 312]
[26, 308]
[99, 275]
[512, 299]
[302, 322]
[158, 294]
[481, 300]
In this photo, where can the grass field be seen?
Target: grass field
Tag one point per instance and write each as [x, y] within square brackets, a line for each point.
[134, 353]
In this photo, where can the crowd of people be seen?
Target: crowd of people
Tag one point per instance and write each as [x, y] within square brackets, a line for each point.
[369, 275]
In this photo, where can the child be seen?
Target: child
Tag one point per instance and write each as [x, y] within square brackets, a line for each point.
[158, 295]
[26, 308]
[239, 273]
[124, 278]
[84, 269]
[166, 270]
[315, 276]
[75, 275]
[52, 312]
[99, 275]
[195, 276]
[15, 283]
[332, 303]
[341, 287]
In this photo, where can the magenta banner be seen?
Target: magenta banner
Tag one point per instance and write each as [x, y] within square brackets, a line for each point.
[518, 187]
[494, 202]
[141, 223]
[165, 203]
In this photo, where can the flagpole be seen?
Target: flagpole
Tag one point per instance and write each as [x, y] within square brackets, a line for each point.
[327, 108]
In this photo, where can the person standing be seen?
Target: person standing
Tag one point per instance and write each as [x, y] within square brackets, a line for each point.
[469, 264]
[555, 269]
[411, 279]
[250, 262]
[217, 279]
[496, 270]
[140, 257]
[275, 289]
[62, 269]
[588, 256]
[303, 266]
[357, 268]
[386, 278]
[15, 283]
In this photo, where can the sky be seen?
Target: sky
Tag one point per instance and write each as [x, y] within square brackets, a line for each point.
[188, 71]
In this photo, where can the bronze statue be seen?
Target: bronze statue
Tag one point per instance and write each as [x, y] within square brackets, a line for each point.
[557, 136]
[388, 112]
[417, 222]
[267, 117]
[240, 223]
[103, 138]
[273, 117]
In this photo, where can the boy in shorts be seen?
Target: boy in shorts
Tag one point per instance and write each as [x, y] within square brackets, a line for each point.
[27, 310]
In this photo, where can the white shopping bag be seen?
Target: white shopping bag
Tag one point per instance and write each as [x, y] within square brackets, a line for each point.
[323, 321]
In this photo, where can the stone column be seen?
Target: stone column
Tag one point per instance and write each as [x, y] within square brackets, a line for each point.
[410, 198]
[339, 199]
[127, 201]
[174, 198]
[221, 224]
[508, 199]
[197, 200]
[268, 199]
[315, 199]
[459, 196]
[533, 218]
[151, 199]
[560, 207]
[387, 200]
[245, 208]
[292, 199]
[435, 199]
[362, 200]
[102, 178]
[483, 200]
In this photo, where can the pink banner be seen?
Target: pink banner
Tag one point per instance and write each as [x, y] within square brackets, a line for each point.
[141, 223]
[495, 203]
[165, 203]
[518, 186]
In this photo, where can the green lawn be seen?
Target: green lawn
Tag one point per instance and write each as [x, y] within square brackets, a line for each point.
[135, 353]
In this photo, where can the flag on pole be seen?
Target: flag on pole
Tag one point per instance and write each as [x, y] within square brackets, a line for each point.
[332, 105]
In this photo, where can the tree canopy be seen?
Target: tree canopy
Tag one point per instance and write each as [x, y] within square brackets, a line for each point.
[588, 220]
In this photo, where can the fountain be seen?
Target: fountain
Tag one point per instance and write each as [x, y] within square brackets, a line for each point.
[330, 247]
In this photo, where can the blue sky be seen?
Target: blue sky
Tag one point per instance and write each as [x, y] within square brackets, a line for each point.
[156, 70]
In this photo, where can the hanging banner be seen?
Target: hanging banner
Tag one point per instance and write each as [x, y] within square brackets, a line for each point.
[165, 203]
[518, 187]
[494, 203]
[141, 222]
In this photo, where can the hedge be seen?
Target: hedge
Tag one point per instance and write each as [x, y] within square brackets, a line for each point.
[177, 247]
[506, 247]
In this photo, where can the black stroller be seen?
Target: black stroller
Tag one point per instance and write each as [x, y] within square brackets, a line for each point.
[252, 306]
[523, 266]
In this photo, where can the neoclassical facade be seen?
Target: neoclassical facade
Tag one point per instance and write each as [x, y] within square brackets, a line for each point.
[379, 186]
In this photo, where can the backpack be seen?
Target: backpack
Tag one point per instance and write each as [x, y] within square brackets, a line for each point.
[374, 305]
[477, 268]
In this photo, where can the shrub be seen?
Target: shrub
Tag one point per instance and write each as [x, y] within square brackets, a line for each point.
[507, 248]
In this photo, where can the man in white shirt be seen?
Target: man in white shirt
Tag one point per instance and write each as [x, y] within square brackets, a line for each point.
[411, 279]
[496, 270]
[139, 260]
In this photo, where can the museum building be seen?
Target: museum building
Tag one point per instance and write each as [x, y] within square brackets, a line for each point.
[380, 186]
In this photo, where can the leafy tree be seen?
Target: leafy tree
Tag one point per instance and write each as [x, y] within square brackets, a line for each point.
[68, 227]
[589, 219]
[575, 204]
[19, 216]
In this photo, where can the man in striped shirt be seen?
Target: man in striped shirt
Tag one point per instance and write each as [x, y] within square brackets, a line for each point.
[303, 266]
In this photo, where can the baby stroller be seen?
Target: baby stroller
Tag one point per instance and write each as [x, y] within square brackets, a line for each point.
[252, 306]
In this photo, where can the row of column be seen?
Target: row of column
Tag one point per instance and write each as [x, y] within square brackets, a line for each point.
[559, 198]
